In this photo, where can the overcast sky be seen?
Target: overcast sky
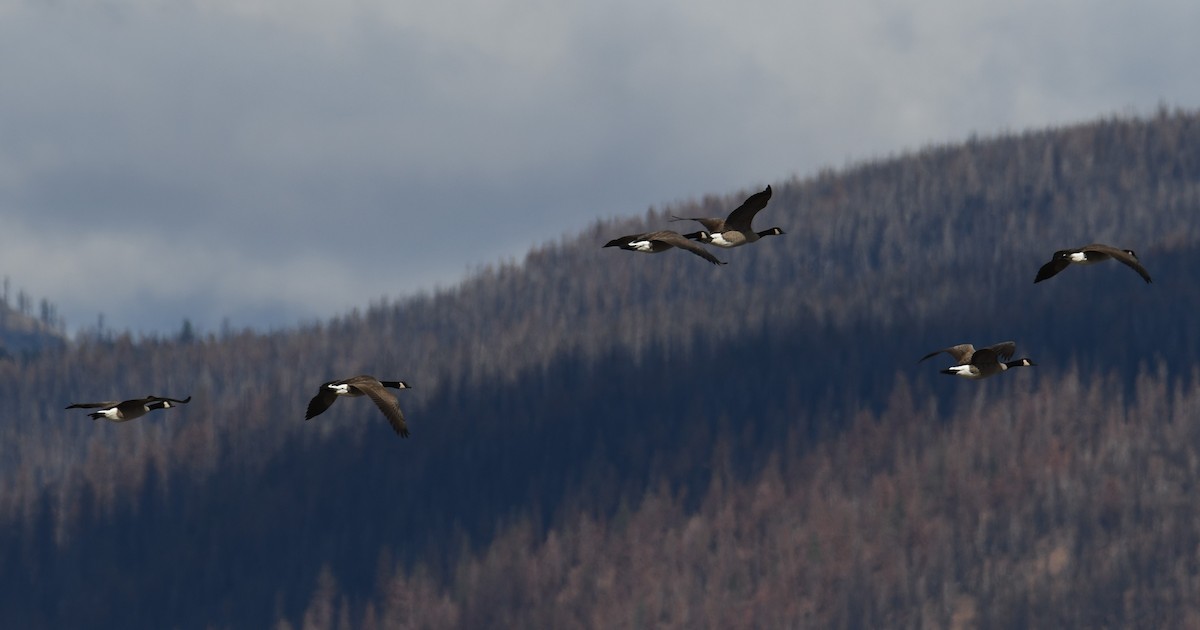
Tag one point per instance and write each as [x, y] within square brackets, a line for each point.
[282, 161]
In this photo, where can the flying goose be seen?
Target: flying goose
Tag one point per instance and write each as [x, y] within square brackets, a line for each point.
[982, 363]
[735, 229]
[661, 241]
[123, 411]
[363, 385]
[1087, 255]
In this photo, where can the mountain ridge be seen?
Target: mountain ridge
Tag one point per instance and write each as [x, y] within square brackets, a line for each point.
[574, 381]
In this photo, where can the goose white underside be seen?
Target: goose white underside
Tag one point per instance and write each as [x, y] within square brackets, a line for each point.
[344, 390]
[718, 239]
[965, 371]
[1086, 258]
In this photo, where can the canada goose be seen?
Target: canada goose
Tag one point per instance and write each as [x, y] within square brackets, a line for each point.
[731, 238]
[661, 241]
[360, 386]
[735, 229]
[982, 363]
[123, 411]
[1087, 255]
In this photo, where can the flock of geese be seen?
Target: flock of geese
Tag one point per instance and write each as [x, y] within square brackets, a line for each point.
[733, 231]
[736, 229]
[985, 362]
[327, 394]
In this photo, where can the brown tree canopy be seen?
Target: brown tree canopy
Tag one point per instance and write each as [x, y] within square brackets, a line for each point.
[706, 445]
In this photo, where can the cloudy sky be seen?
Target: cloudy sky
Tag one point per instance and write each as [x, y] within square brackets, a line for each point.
[282, 161]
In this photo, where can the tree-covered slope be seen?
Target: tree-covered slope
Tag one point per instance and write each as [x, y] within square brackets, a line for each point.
[568, 386]
[22, 332]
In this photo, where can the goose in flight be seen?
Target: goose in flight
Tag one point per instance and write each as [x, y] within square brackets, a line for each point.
[1088, 255]
[735, 229]
[123, 411]
[363, 385]
[655, 242]
[982, 363]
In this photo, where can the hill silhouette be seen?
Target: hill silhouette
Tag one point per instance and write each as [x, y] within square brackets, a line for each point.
[602, 438]
[22, 331]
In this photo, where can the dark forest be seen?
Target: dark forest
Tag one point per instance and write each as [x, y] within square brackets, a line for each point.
[609, 439]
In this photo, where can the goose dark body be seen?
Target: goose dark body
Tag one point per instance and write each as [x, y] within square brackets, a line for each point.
[362, 385]
[661, 241]
[982, 363]
[1088, 255]
[735, 229]
[125, 410]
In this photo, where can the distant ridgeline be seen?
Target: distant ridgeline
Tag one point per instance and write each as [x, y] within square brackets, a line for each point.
[696, 427]
[21, 330]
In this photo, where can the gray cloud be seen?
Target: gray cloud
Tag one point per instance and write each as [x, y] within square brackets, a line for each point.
[259, 155]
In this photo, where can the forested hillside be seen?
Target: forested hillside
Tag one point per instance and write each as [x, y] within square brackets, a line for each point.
[22, 331]
[602, 438]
